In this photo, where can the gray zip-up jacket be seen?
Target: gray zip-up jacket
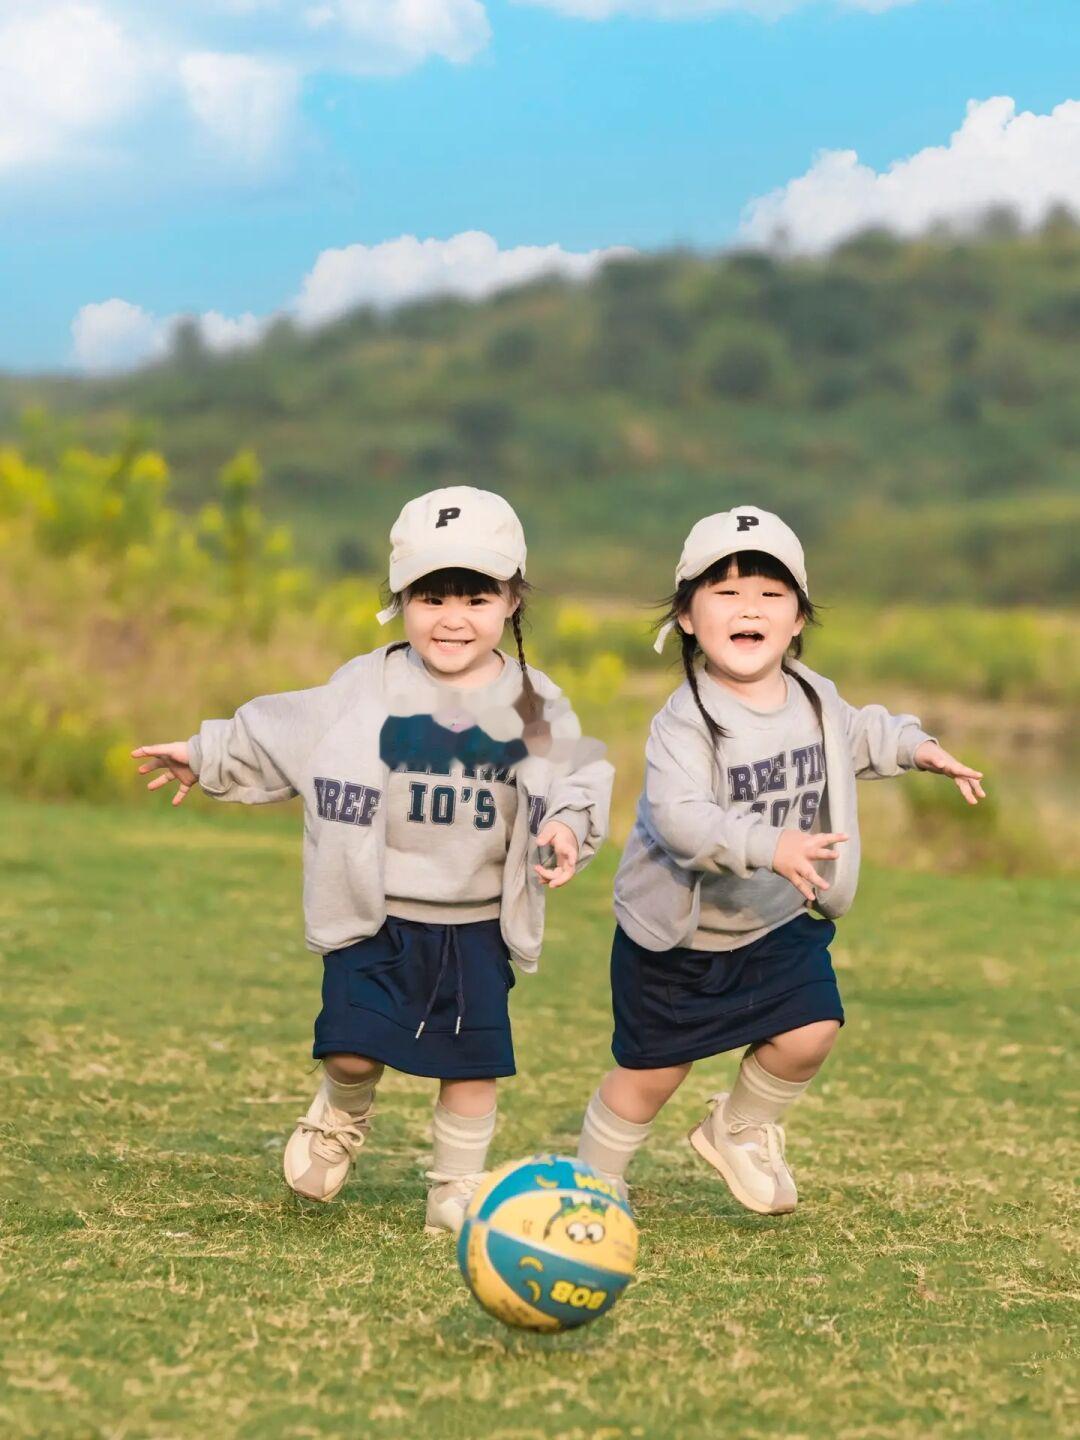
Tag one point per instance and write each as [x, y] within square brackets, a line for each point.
[684, 826]
[303, 741]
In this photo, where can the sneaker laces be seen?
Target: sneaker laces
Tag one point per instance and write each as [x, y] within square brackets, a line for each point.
[348, 1135]
[773, 1141]
[464, 1185]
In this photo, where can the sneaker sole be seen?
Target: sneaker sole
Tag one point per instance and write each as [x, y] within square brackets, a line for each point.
[708, 1152]
[316, 1199]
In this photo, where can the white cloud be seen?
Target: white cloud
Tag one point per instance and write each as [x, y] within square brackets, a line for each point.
[223, 332]
[698, 9]
[117, 335]
[1028, 162]
[470, 265]
[244, 103]
[376, 36]
[68, 71]
[72, 71]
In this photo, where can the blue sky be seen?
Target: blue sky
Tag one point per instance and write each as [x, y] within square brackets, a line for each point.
[177, 181]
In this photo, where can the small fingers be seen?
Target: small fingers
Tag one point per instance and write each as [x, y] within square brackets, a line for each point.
[159, 782]
[178, 798]
[816, 879]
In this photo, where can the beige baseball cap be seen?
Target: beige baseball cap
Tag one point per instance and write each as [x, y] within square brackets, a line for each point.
[458, 526]
[743, 528]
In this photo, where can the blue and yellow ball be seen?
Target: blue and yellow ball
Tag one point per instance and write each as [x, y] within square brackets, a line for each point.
[547, 1244]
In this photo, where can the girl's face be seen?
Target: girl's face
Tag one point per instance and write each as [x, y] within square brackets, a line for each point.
[456, 635]
[744, 624]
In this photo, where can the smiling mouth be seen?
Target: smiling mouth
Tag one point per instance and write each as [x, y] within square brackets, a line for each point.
[747, 637]
[452, 642]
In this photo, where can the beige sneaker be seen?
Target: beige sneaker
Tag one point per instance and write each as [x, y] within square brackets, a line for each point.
[448, 1199]
[749, 1157]
[323, 1147]
[622, 1189]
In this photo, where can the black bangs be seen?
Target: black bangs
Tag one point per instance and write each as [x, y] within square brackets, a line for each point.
[456, 582]
[748, 563]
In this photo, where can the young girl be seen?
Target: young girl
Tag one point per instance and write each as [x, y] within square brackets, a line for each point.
[746, 824]
[432, 773]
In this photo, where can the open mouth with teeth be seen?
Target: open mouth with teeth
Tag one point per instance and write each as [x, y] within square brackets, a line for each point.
[746, 639]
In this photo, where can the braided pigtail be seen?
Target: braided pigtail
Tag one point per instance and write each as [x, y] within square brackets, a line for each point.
[689, 655]
[529, 705]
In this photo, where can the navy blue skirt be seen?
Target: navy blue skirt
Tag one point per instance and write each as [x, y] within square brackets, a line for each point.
[674, 1006]
[424, 999]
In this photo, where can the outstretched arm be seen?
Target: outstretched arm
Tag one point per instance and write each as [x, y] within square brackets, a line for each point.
[931, 756]
[174, 759]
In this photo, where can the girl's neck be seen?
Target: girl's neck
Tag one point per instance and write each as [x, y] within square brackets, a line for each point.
[763, 692]
[484, 672]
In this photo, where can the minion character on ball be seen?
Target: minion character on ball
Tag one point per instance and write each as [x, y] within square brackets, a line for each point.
[547, 1244]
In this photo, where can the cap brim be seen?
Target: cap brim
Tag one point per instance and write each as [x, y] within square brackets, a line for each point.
[724, 554]
[465, 557]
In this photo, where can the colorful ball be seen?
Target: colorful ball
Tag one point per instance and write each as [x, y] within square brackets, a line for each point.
[547, 1244]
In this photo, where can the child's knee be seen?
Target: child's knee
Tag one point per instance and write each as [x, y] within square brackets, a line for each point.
[351, 1069]
[809, 1045]
[659, 1084]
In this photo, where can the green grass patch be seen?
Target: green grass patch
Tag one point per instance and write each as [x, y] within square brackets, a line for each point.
[157, 1279]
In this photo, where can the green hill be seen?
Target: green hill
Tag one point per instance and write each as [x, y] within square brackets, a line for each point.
[911, 408]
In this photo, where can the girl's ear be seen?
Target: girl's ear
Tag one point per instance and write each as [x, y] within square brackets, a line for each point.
[799, 626]
[686, 625]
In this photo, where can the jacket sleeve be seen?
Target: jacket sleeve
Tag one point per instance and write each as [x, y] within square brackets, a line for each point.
[580, 794]
[882, 744]
[696, 831]
[256, 756]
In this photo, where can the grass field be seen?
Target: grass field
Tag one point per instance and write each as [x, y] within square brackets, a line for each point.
[157, 1280]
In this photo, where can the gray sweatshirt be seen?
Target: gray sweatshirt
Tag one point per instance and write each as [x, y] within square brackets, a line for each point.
[774, 765]
[701, 813]
[448, 821]
[328, 746]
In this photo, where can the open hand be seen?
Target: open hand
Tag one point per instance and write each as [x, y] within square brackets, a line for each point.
[795, 856]
[173, 759]
[930, 756]
[564, 842]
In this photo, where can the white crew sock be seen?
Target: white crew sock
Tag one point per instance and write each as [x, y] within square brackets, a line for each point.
[354, 1099]
[460, 1141]
[608, 1142]
[757, 1097]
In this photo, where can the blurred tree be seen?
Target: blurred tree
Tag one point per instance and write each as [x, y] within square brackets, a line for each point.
[741, 370]
[512, 348]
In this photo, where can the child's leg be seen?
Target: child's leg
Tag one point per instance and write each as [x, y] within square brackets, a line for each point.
[620, 1114]
[322, 1148]
[775, 1072]
[350, 1082]
[463, 1125]
[461, 1130]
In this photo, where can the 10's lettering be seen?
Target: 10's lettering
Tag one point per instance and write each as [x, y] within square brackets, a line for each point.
[437, 805]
